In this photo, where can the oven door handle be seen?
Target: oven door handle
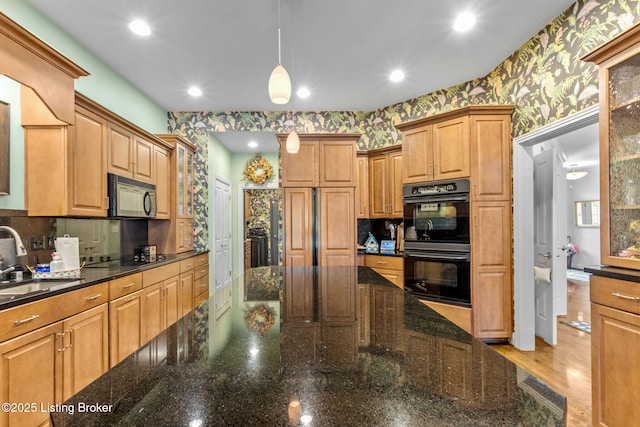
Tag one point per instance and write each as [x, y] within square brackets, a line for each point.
[433, 199]
[440, 256]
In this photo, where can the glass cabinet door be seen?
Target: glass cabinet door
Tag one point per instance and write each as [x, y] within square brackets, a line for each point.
[624, 159]
[189, 183]
[180, 183]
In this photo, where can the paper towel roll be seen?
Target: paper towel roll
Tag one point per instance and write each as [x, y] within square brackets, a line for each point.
[68, 248]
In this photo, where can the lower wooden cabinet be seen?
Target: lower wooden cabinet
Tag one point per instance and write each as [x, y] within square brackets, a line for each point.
[389, 267]
[125, 326]
[615, 345]
[50, 364]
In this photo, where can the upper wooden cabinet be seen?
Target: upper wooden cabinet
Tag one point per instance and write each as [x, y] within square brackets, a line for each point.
[362, 185]
[385, 183]
[323, 160]
[176, 235]
[130, 155]
[162, 179]
[469, 142]
[66, 165]
[619, 76]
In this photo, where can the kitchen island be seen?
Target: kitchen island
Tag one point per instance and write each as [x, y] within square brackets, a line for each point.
[314, 346]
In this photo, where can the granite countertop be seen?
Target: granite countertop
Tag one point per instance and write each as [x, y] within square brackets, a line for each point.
[319, 347]
[89, 275]
[614, 272]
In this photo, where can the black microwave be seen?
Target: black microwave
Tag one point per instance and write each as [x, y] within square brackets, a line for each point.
[129, 198]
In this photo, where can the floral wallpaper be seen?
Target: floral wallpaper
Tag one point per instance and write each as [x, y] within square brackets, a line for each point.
[545, 80]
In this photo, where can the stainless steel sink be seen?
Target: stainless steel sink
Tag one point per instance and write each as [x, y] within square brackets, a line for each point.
[36, 285]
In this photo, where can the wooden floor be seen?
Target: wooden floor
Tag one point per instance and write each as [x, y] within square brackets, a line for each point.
[565, 367]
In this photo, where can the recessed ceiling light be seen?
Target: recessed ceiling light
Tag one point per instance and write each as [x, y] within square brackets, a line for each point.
[139, 27]
[464, 22]
[396, 76]
[252, 144]
[303, 92]
[194, 91]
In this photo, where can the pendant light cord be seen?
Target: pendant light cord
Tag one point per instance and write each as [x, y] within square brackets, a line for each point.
[279, 46]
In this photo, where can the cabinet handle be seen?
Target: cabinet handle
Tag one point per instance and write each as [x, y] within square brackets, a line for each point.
[435, 169]
[70, 331]
[619, 295]
[93, 297]
[128, 285]
[131, 298]
[475, 189]
[27, 320]
[62, 347]
[382, 263]
[430, 170]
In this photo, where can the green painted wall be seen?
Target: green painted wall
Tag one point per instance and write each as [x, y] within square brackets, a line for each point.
[103, 85]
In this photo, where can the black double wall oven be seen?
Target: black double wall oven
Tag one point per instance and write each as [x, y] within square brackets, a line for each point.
[437, 256]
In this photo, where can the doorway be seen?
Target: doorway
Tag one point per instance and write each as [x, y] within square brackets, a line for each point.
[262, 227]
[525, 254]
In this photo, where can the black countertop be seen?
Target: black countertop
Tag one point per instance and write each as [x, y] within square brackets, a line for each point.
[89, 275]
[345, 343]
[614, 272]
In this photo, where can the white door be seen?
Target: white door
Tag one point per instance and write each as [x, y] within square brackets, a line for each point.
[549, 235]
[222, 247]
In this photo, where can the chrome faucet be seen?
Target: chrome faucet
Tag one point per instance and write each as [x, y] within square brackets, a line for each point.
[20, 249]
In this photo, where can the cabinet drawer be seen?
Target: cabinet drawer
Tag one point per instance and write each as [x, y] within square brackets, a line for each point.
[620, 294]
[158, 274]
[201, 271]
[125, 285]
[201, 260]
[381, 261]
[201, 285]
[28, 317]
[187, 264]
[199, 298]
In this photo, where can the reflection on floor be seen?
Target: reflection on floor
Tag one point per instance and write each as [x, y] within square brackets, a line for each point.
[566, 367]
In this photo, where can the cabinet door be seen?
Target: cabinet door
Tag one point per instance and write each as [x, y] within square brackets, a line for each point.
[417, 151]
[615, 345]
[396, 207]
[338, 294]
[88, 159]
[143, 159]
[172, 309]
[120, 151]
[152, 311]
[186, 292]
[451, 149]
[298, 299]
[490, 157]
[298, 231]
[337, 164]
[362, 186]
[162, 181]
[125, 326]
[378, 184]
[491, 284]
[337, 233]
[86, 354]
[31, 371]
[301, 169]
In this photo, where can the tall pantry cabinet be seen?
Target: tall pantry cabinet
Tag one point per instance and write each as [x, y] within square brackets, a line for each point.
[319, 200]
[615, 293]
[473, 142]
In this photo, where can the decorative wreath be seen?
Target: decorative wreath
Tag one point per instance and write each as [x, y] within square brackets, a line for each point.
[258, 170]
[259, 319]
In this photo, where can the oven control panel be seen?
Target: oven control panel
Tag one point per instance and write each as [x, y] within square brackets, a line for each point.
[435, 189]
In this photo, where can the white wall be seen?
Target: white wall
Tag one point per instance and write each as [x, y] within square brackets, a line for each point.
[586, 238]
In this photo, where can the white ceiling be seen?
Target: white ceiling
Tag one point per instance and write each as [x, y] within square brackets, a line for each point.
[342, 50]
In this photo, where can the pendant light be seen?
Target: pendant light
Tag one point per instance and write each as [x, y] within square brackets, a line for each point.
[279, 81]
[293, 142]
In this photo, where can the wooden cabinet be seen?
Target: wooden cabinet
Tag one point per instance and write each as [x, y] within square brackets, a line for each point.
[162, 181]
[337, 227]
[201, 277]
[324, 160]
[125, 326]
[53, 352]
[615, 343]
[491, 282]
[389, 267]
[129, 154]
[298, 230]
[619, 68]
[385, 183]
[65, 166]
[176, 235]
[472, 142]
[387, 317]
[362, 185]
